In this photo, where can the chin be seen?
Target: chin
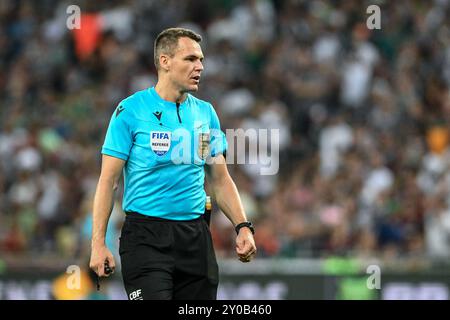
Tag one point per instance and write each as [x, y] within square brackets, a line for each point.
[192, 88]
[189, 88]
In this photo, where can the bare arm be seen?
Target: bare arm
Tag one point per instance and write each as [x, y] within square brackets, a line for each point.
[227, 197]
[103, 205]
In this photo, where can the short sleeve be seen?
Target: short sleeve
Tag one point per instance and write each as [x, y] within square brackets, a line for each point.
[218, 139]
[119, 139]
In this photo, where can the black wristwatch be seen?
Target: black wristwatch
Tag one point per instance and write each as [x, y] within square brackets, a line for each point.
[245, 224]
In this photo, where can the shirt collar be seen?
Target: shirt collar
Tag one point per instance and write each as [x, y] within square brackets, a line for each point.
[157, 97]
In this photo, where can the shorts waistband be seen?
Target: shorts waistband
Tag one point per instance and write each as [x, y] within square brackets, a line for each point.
[132, 215]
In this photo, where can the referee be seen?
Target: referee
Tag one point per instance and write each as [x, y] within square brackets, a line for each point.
[166, 249]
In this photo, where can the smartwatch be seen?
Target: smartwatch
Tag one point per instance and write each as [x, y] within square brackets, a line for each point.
[245, 224]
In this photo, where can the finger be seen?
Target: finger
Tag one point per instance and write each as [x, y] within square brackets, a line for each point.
[100, 271]
[249, 256]
[245, 260]
[111, 266]
[241, 254]
[109, 272]
[246, 257]
[248, 248]
[112, 262]
[252, 252]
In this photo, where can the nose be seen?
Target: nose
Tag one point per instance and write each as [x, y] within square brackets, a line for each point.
[199, 66]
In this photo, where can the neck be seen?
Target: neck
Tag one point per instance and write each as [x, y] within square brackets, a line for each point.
[167, 92]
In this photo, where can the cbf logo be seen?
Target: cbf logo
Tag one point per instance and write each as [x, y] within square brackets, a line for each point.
[160, 142]
[136, 295]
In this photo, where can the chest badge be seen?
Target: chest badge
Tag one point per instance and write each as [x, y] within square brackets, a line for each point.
[203, 145]
[160, 142]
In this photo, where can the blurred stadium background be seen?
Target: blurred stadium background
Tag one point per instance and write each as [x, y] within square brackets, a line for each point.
[363, 116]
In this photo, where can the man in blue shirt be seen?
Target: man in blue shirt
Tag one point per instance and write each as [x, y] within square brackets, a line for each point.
[161, 138]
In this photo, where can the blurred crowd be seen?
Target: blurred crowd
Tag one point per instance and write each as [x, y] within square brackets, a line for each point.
[363, 118]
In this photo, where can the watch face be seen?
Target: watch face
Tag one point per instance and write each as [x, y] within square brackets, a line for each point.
[245, 224]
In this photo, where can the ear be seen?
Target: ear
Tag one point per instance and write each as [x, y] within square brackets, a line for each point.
[164, 62]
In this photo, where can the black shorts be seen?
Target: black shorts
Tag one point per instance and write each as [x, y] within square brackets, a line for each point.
[166, 259]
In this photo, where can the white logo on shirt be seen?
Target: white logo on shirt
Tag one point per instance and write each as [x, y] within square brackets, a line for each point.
[160, 142]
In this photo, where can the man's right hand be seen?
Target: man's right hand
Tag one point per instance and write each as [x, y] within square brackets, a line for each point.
[100, 254]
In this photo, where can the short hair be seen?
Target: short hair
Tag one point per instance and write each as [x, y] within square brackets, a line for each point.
[167, 41]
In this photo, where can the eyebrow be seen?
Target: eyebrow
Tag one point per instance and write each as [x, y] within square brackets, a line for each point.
[194, 56]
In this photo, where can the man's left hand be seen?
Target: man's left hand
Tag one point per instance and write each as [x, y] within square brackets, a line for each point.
[245, 245]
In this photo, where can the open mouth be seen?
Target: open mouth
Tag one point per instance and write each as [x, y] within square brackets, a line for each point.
[196, 78]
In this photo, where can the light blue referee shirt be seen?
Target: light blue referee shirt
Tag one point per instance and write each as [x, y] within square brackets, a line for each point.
[165, 146]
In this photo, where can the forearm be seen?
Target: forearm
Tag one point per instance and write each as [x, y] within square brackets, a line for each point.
[227, 197]
[103, 205]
